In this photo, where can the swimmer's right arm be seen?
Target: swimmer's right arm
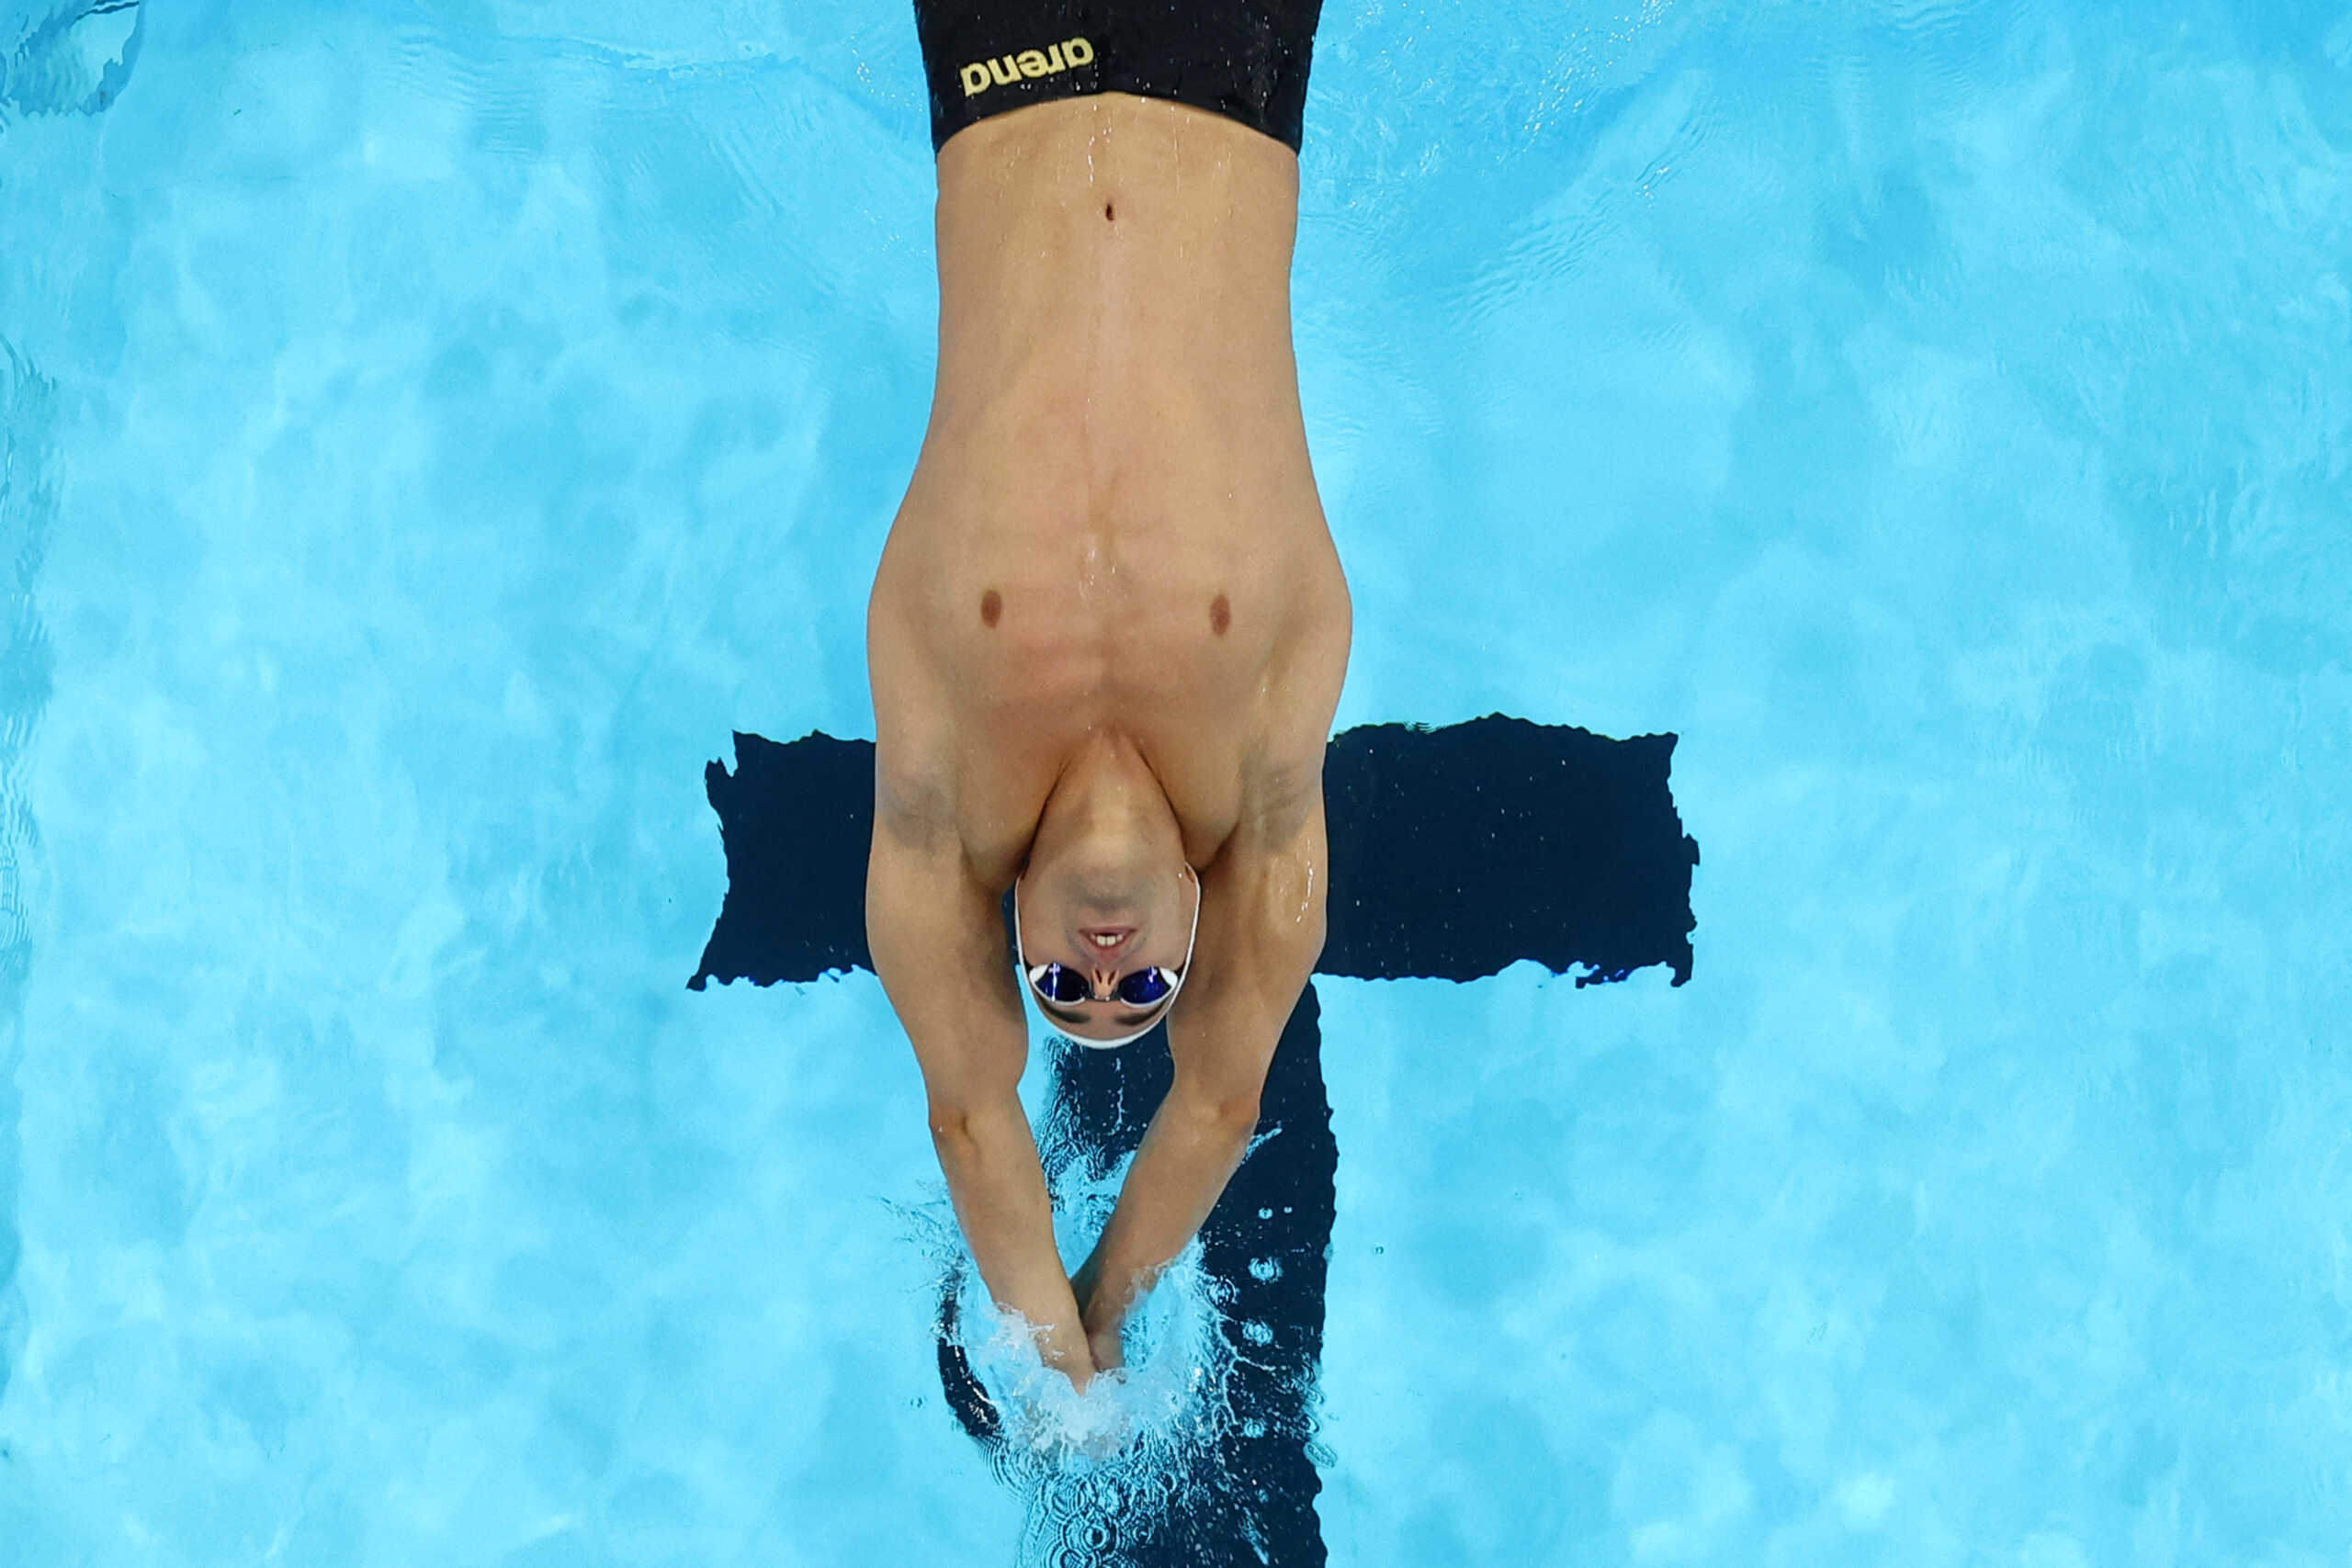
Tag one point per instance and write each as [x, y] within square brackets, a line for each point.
[937, 944]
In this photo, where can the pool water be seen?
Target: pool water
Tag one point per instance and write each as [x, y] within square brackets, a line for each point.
[429, 430]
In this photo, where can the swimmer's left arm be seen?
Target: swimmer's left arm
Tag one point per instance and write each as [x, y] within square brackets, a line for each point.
[1261, 930]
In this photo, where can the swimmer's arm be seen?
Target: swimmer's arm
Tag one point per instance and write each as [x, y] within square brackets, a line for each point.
[990, 1157]
[1262, 926]
[937, 944]
[1189, 1153]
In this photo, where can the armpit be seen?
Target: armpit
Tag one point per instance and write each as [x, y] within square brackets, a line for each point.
[1278, 798]
[915, 806]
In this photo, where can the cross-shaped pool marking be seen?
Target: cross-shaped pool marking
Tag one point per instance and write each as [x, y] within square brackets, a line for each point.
[1456, 852]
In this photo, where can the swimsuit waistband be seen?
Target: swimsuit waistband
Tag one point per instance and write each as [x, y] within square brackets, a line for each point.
[1244, 58]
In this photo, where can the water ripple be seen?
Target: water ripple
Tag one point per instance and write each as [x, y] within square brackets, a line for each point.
[72, 61]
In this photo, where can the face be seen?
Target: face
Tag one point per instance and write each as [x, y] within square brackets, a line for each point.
[1105, 931]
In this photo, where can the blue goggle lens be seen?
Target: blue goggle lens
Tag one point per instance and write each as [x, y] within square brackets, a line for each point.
[1065, 986]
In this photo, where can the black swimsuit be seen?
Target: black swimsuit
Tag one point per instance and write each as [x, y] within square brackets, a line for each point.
[1244, 58]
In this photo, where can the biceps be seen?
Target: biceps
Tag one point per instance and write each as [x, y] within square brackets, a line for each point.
[971, 1049]
[1223, 1049]
[960, 1014]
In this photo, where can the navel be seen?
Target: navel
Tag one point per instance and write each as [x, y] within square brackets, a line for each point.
[1220, 615]
[992, 605]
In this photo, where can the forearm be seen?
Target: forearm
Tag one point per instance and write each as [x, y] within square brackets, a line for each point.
[1188, 1155]
[990, 1158]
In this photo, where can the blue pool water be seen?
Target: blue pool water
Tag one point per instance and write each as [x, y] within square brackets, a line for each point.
[428, 430]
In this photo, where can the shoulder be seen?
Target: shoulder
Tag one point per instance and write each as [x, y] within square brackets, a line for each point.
[1266, 889]
[1282, 772]
[932, 928]
[1263, 897]
[1261, 930]
[937, 945]
[914, 774]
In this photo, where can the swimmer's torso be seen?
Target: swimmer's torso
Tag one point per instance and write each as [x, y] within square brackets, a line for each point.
[1112, 525]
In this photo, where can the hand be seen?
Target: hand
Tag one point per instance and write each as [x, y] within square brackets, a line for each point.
[1102, 1337]
[1102, 1320]
[1083, 1284]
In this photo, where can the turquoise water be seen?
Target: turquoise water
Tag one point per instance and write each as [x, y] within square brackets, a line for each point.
[430, 429]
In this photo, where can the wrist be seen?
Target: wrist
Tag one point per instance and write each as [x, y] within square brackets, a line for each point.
[1097, 1314]
[1106, 1344]
[1116, 1288]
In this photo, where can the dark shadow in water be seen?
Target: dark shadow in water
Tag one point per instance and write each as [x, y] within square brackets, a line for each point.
[1454, 853]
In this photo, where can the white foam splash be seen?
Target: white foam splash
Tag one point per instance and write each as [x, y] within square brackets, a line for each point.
[1171, 1387]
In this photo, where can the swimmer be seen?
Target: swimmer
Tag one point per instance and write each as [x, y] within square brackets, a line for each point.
[1108, 631]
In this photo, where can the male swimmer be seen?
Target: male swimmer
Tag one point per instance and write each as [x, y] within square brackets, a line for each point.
[1109, 629]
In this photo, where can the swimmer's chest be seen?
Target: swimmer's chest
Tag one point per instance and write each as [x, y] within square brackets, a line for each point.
[1153, 590]
[1186, 650]
[1185, 673]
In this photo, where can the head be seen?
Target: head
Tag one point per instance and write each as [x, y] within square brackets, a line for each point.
[1107, 898]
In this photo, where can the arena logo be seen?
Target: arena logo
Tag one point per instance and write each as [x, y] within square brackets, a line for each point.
[1007, 69]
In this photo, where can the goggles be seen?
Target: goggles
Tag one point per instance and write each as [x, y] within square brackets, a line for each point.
[1153, 986]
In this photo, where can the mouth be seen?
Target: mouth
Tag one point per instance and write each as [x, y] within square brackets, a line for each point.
[1104, 941]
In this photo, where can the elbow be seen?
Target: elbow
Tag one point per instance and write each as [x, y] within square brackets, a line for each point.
[959, 1126]
[950, 1125]
[1232, 1112]
[955, 1145]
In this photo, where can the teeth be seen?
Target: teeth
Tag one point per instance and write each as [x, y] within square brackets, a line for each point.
[1105, 941]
